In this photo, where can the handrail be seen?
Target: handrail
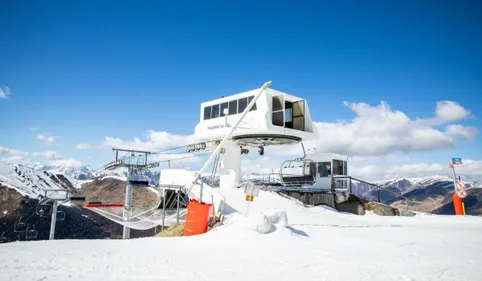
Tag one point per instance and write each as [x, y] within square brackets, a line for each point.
[379, 188]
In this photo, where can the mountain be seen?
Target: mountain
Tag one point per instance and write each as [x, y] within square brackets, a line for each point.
[23, 186]
[32, 181]
[427, 194]
[472, 203]
[370, 192]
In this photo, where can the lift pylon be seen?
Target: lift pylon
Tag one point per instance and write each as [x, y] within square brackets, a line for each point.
[135, 161]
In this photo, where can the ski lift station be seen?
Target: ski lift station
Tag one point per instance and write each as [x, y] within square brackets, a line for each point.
[262, 119]
[273, 118]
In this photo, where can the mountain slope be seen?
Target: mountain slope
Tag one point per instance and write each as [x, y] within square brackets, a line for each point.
[426, 195]
[31, 181]
[473, 203]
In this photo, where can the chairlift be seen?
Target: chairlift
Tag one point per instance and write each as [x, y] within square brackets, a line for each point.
[77, 198]
[138, 179]
[20, 226]
[299, 171]
[43, 210]
[60, 214]
[31, 233]
[3, 238]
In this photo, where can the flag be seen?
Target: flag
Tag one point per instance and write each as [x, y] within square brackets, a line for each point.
[456, 161]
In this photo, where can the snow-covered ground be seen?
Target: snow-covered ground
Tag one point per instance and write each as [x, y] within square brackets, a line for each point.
[317, 244]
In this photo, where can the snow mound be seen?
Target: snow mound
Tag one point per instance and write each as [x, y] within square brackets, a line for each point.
[268, 221]
[276, 217]
[261, 224]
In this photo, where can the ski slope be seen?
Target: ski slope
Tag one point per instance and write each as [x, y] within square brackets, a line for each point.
[318, 244]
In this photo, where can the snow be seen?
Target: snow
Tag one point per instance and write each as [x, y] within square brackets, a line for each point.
[317, 243]
[29, 180]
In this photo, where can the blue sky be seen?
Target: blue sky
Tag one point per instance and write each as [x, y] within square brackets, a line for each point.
[83, 70]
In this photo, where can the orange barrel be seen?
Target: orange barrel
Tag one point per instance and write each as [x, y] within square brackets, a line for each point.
[458, 205]
[197, 218]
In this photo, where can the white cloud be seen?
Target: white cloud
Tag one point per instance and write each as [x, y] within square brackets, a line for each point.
[88, 146]
[54, 158]
[449, 111]
[4, 93]
[154, 140]
[461, 132]
[33, 129]
[49, 155]
[16, 160]
[68, 162]
[47, 139]
[13, 152]
[379, 130]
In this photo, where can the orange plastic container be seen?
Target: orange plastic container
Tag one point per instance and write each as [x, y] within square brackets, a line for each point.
[197, 218]
[458, 205]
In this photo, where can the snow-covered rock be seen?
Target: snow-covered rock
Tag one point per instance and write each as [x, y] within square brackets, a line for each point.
[268, 221]
[261, 224]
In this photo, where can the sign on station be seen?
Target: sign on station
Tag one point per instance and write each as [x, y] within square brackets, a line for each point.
[251, 190]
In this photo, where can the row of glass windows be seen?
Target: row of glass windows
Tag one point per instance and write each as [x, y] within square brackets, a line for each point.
[339, 168]
[234, 107]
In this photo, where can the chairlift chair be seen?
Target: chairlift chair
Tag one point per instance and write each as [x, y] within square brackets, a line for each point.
[77, 198]
[60, 214]
[3, 238]
[138, 179]
[31, 233]
[44, 210]
[299, 171]
[20, 226]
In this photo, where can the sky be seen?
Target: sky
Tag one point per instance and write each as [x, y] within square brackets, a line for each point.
[395, 85]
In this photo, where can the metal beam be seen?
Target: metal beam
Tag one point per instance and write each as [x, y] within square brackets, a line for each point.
[130, 150]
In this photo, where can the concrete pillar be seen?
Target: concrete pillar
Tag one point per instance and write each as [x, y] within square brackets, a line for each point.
[230, 170]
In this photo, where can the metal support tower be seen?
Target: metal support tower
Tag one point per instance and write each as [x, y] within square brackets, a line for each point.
[53, 220]
[130, 162]
[55, 195]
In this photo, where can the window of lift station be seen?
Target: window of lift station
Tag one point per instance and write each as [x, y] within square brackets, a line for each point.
[339, 168]
[234, 107]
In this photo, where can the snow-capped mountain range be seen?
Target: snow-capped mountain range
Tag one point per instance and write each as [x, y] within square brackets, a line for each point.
[32, 180]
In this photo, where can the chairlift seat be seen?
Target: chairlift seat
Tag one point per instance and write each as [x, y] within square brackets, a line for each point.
[4, 239]
[20, 227]
[309, 180]
[77, 198]
[31, 234]
[44, 210]
[138, 183]
[60, 215]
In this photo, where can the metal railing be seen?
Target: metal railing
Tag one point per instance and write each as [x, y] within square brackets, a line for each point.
[265, 179]
[379, 189]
